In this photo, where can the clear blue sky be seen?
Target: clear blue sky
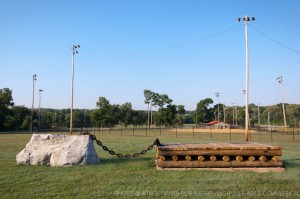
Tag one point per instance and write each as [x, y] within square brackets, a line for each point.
[130, 45]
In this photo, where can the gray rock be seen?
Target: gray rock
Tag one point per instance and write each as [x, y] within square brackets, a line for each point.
[58, 150]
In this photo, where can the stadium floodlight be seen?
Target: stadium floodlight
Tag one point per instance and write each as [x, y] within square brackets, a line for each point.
[246, 19]
[280, 80]
[73, 47]
[31, 122]
[217, 95]
[40, 95]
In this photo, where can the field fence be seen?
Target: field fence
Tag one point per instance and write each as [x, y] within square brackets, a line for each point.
[228, 134]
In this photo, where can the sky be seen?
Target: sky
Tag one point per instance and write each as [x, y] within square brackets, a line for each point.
[189, 50]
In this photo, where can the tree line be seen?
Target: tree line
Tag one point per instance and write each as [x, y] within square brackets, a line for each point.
[160, 112]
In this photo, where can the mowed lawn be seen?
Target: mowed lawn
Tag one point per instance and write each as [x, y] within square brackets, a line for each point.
[139, 178]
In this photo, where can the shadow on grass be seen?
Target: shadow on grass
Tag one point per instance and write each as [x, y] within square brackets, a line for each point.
[114, 160]
[291, 163]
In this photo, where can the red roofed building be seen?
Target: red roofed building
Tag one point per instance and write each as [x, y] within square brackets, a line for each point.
[217, 125]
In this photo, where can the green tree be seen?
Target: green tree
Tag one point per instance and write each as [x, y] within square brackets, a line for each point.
[139, 118]
[6, 101]
[126, 114]
[180, 115]
[20, 114]
[106, 114]
[165, 110]
[203, 113]
[150, 99]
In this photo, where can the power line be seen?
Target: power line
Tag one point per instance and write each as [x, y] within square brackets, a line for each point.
[268, 93]
[274, 40]
[296, 90]
[192, 41]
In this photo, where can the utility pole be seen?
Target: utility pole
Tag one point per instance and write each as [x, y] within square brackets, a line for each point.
[196, 118]
[31, 122]
[74, 51]
[269, 121]
[236, 115]
[217, 95]
[233, 113]
[40, 95]
[246, 19]
[224, 109]
[280, 80]
[258, 114]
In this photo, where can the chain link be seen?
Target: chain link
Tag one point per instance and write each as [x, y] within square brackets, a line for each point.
[105, 148]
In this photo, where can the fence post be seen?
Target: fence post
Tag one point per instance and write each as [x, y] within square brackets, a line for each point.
[176, 131]
[193, 133]
[160, 129]
[250, 135]
[121, 131]
[293, 134]
[146, 131]
[133, 131]
[271, 135]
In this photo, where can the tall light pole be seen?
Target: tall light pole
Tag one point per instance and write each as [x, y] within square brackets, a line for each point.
[258, 115]
[217, 95]
[40, 95]
[31, 122]
[74, 51]
[246, 19]
[233, 113]
[280, 80]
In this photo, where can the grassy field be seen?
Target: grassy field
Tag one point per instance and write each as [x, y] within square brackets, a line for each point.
[138, 177]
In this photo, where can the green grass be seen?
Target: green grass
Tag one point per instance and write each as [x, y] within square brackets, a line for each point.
[131, 178]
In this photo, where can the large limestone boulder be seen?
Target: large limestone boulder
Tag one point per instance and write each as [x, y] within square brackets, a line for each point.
[58, 150]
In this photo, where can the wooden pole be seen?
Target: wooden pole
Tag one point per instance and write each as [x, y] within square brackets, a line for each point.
[271, 135]
[175, 158]
[239, 158]
[188, 158]
[201, 158]
[226, 158]
[293, 134]
[193, 133]
[276, 158]
[213, 158]
[263, 158]
[251, 158]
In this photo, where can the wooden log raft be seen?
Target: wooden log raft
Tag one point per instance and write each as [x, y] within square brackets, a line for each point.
[218, 155]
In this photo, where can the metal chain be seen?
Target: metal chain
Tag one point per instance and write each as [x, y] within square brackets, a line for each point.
[105, 148]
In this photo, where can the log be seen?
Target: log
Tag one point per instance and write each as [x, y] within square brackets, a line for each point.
[162, 158]
[213, 158]
[263, 158]
[222, 152]
[175, 158]
[216, 164]
[276, 158]
[251, 158]
[201, 158]
[188, 158]
[226, 158]
[239, 158]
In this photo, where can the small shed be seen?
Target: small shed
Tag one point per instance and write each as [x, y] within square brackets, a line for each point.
[217, 125]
